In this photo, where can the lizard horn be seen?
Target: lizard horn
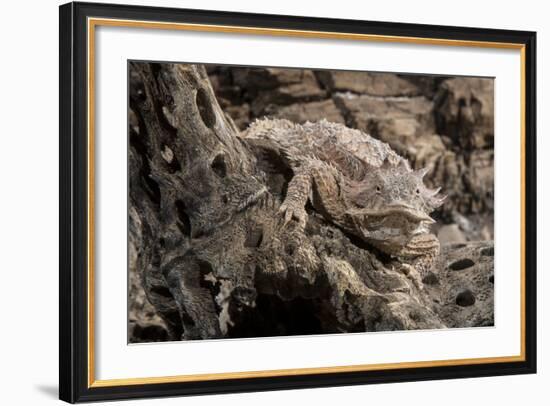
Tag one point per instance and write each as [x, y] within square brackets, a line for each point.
[433, 192]
[438, 202]
[422, 172]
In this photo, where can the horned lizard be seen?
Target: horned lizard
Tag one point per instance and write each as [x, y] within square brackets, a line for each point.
[356, 182]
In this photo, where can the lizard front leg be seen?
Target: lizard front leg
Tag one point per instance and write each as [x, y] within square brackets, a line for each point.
[296, 197]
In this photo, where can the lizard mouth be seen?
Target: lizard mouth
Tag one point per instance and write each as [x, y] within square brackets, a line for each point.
[393, 222]
[395, 210]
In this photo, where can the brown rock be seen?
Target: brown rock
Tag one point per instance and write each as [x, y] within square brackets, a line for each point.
[425, 150]
[427, 85]
[391, 119]
[447, 170]
[313, 111]
[374, 84]
[267, 78]
[229, 94]
[479, 179]
[450, 234]
[465, 111]
[240, 115]
[306, 90]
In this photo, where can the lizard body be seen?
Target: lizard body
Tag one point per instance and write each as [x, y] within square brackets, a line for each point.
[357, 183]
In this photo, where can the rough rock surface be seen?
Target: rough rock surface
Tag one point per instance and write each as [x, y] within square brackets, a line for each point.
[206, 242]
[463, 290]
[373, 84]
[465, 112]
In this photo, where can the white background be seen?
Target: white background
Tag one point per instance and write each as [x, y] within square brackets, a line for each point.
[29, 203]
[115, 359]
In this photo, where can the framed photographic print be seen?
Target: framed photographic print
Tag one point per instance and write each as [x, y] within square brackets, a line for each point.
[257, 202]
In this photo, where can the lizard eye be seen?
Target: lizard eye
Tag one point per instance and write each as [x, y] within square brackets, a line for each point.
[417, 191]
[378, 188]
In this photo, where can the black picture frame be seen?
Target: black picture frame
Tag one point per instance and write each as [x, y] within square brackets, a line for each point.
[73, 284]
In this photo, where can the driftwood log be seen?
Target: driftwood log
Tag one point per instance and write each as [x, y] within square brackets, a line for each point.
[209, 251]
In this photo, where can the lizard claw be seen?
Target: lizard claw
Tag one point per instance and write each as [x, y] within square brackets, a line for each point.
[290, 211]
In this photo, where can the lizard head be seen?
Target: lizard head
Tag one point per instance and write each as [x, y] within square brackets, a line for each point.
[392, 202]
